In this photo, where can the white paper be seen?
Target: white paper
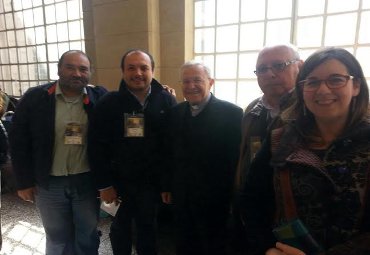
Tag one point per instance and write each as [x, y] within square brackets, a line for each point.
[109, 208]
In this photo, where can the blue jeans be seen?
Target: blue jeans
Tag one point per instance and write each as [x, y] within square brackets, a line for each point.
[69, 212]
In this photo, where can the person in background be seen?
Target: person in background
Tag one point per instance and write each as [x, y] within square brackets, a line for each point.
[203, 143]
[7, 105]
[3, 151]
[50, 161]
[3, 130]
[312, 174]
[126, 152]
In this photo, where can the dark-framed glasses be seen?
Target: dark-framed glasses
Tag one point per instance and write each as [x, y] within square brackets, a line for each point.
[276, 67]
[333, 82]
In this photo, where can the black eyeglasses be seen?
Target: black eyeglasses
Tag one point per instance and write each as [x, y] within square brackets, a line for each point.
[335, 81]
[276, 67]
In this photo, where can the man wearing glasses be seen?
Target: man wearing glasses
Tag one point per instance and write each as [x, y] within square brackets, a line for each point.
[276, 69]
[48, 151]
[204, 135]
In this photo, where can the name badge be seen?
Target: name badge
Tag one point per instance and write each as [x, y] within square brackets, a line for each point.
[255, 145]
[73, 133]
[134, 125]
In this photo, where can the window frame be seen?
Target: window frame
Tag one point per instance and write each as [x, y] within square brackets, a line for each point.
[37, 67]
[295, 19]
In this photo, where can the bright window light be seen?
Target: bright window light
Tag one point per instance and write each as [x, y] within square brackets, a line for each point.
[230, 45]
[31, 43]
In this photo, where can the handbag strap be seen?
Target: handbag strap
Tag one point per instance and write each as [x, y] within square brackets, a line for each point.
[290, 209]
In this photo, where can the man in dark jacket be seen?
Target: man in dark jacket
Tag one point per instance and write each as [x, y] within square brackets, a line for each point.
[204, 139]
[48, 151]
[126, 151]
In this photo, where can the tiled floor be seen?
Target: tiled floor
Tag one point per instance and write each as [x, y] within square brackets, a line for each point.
[23, 233]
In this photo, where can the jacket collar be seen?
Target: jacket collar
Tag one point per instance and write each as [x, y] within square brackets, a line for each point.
[53, 87]
[285, 102]
[258, 108]
[196, 109]
[156, 87]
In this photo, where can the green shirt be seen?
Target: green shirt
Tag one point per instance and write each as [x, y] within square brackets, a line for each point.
[69, 158]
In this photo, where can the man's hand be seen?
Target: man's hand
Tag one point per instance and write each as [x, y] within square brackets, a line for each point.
[169, 90]
[109, 196]
[166, 197]
[27, 194]
[284, 249]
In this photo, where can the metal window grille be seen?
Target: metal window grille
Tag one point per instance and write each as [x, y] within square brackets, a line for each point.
[33, 35]
[230, 33]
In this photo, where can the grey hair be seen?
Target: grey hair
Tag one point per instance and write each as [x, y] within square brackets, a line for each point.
[192, 63]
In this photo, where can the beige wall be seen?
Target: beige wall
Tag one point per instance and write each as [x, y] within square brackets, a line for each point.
[162, 27]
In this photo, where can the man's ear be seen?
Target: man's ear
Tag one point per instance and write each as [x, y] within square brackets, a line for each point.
[300, 64]
[211, 82]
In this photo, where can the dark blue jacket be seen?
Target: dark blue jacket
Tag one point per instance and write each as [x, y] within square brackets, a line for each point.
[33, 130]
[128, 163]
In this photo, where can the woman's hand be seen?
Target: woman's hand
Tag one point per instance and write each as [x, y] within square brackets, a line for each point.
[284, 249]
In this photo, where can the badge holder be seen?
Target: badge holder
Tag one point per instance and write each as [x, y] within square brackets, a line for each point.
[134, 125]
[73, 133]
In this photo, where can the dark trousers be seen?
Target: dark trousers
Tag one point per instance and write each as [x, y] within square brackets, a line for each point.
[201, 227]
[140, 209]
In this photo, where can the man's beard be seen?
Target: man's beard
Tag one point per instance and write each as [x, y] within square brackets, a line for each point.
[72, 86]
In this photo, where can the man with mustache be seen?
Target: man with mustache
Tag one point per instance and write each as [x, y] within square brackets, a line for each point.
[49, 156]
[127, 154]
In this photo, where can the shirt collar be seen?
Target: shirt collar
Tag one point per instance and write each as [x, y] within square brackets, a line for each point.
[59, 93]
[198, 108]
[146, 97]
[272, 111]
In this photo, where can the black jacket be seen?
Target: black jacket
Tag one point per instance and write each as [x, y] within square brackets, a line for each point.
[127, 162]
[32, 133]
[205, 150]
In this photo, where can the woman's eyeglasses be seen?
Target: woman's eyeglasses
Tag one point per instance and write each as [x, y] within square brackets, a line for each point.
[333, 82]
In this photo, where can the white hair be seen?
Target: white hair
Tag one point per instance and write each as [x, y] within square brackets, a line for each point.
[192, 63]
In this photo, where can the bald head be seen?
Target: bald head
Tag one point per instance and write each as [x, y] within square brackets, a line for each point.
[289, 50]
[277, 68]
